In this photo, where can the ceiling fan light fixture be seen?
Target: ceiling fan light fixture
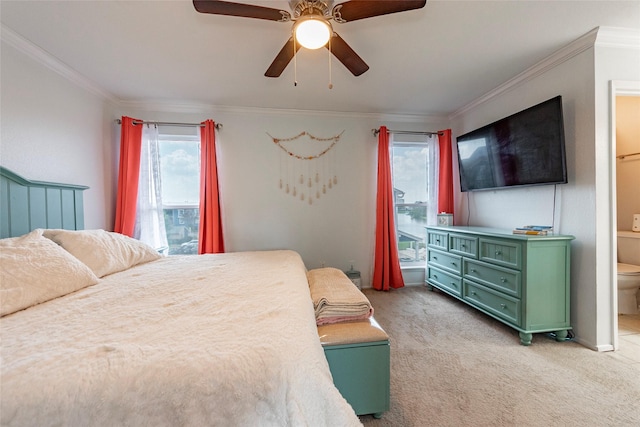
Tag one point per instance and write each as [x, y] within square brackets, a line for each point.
[311, 32]
[317, 14]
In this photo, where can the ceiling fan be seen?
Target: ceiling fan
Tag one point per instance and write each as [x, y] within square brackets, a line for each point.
[316, 13]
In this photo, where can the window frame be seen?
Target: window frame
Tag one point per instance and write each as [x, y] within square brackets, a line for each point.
[174, 249]
[420, 260]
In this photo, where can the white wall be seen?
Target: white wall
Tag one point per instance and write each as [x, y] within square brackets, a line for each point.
[333, 231]
[53, 130]
[612, 63]
[575, 207]
[583, 204]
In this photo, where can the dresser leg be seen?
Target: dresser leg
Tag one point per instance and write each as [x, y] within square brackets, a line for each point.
[561, 335]
[525, 338]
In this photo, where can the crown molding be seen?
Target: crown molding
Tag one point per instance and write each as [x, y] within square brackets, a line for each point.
[44, 58]
[558, 57]
[625, 38]
[203, 108]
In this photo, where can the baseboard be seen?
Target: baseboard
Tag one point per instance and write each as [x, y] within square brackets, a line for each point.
[413, 275]
[590, 346]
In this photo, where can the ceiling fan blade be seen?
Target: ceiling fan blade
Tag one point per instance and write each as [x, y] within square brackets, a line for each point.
[346, 55]
[218, 7]
[283, 58]
[360, 9]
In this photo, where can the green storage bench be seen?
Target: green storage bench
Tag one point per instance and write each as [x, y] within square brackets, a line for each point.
[359, 359]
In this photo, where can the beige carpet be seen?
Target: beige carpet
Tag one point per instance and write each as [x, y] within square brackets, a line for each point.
[454, 366]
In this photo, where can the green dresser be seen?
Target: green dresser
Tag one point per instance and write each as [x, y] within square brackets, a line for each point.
[520, 280]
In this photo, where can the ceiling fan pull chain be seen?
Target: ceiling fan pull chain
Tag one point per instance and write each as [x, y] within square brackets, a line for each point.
[330, 79]
[295, 63]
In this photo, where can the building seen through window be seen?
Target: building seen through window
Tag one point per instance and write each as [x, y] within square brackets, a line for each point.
[411, 195]
[180, 171]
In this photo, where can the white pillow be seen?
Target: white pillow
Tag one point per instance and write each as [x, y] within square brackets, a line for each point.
[34, 270]
[104, 252]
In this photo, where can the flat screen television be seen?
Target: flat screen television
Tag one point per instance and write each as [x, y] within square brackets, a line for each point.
[526, 148]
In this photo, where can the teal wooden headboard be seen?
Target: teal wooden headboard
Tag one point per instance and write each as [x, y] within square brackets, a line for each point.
[26, 205]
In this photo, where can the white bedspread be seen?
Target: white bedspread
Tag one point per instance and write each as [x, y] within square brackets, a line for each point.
[210, 340]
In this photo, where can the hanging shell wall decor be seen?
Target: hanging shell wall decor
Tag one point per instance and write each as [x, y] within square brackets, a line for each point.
[307, 176]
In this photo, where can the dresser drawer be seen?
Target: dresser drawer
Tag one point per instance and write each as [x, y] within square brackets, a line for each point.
[438, 240]
[443, 280]
[463, 245]
[501, 252]
[500, 278]
[444, 261]
[493, 302]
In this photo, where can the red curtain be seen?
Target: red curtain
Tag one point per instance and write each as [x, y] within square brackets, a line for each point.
[210, 236]
[128, 176]
[386, 268]
[445, 178]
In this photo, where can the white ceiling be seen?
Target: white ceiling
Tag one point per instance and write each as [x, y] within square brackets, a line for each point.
[430, 61]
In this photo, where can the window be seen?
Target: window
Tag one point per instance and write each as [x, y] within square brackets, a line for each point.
[180, 172]
[413, 196]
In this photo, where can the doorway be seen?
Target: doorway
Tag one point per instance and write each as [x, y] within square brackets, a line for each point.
[618, 88]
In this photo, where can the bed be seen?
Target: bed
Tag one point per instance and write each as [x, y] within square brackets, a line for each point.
[123, 336]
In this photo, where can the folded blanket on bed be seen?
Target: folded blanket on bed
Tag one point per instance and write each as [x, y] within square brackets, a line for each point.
[336, 298]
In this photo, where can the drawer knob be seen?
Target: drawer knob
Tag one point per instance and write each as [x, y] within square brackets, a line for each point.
[473, 270]
[437, 240]
[435, 257]
[463, 246]
[453, 263]
[498, 253]
[435, 276]
[473, 292]
[503, 280]
[503, 306]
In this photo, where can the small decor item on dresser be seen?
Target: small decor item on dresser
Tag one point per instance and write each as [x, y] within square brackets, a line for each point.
[445, 219]
[539, 230]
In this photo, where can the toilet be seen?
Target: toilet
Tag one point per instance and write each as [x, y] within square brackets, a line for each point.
[628, 272]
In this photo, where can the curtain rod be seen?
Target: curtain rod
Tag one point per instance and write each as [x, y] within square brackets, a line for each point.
[622, 156]
[406, 132]
[144, 122]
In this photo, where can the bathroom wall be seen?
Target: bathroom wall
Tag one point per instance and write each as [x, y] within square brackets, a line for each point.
[627, 169]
